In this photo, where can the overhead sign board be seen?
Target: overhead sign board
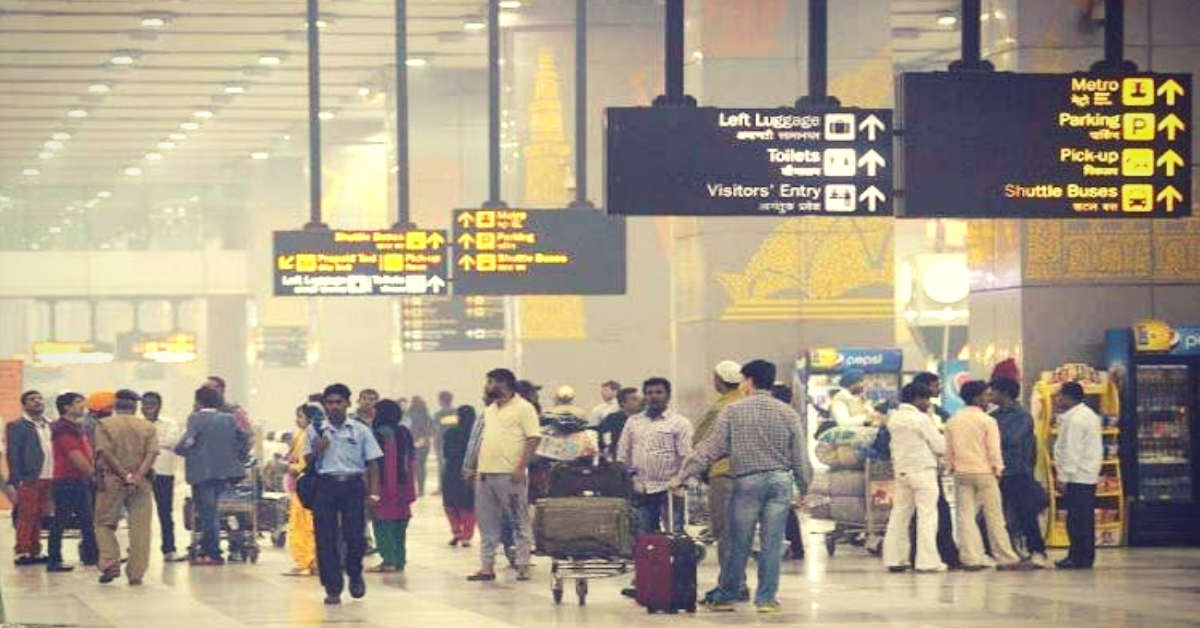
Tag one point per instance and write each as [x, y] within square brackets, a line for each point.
[173, 348]
[282, 345]
[360, 263]
[457, 323]
[678, 161]
[999, 145]
[544, 251]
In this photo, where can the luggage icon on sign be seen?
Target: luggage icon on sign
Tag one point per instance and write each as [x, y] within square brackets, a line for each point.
[839, 127]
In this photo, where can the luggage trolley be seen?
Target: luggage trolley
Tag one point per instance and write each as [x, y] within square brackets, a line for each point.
[877, 503]
[237, 513]
[585, 479]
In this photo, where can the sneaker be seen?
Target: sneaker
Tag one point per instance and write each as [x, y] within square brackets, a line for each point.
[768, 607]
[1038, 560]
[331, 600]
[358, 587]
[172, 557]
[744, 595]
[719, 606]
[58, 568]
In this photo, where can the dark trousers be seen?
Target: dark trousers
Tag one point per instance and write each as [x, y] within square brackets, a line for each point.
[650, 513]
[1017, 491]
[1080, 500]
[204, 497]
[793, 535]
[73, 503]
[339, 514]
[164, 499]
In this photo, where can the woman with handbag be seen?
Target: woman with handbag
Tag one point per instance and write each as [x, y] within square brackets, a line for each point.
[301, 539]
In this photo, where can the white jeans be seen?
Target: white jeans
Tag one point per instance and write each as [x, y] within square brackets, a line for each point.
[914, 492]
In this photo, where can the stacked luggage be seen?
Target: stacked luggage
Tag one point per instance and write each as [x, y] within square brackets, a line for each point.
[855, 492]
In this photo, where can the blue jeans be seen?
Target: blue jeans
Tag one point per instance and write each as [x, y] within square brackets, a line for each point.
[761, 499]
[650, 514]
[205, 495]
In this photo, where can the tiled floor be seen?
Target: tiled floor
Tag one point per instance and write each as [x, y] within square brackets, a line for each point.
[1139, 588]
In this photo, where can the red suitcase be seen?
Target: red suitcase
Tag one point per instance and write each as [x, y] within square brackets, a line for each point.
[666, 569]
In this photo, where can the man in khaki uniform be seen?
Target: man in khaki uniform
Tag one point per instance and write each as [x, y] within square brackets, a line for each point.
[126, 446]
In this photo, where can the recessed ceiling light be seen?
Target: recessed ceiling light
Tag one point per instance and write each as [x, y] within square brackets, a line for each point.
[153, 22]
[189, 126]
[322, 23]
[46, 155]
[474, 26]
[177, 137]
[166, 145]
[133, 171]
[947, 20]
[31, 172]
[62, 137]
[154, 157]
[364, 91]
[98, 88]
[55, 229]
[121, 60]
[104, 194]
[415, 62]
[259, 156]
[202, 114]
[53, 144]
[235, 89]
[269, 60]
[326, 115]
[510, 4]
[77, 113]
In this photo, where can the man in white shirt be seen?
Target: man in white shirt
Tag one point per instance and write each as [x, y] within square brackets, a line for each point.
[1078, 455]
[849, 406]
[916, 444]
[608, 404]
[164, 472]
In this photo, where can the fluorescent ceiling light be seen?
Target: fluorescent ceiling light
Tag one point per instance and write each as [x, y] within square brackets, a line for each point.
[104, 194]
[326, 115]
[322, 23]
[364, 91]
[46, 155]
[474, 26]
[154, 157]
[55, 229]
[121, 60]
[62, 137]
[259, 156]
[98, 88]
[53, 144]
[204, 115]
[77, 113]
[166, 145]
[510, 4]
[269, 60]
[153, 22]
[189, 126]
[177, 137]
[235, 89]
[133, 171]
[415, 62]
[947, 20]
[31, 172]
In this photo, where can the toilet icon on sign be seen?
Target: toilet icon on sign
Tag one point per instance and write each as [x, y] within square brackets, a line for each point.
[840, 162]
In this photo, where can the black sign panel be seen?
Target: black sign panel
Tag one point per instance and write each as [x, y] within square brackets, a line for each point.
[680, 161]
[998, 145]
[360, 263]
[452, 324]
[282, 345]
[544, 251]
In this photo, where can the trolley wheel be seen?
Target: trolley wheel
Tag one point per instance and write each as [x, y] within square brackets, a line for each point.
[691, 608]
[830, 544]
[279, 538]
[558, 594]
[581, 590]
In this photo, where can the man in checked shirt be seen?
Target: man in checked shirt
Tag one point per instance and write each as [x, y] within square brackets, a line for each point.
[764, 440]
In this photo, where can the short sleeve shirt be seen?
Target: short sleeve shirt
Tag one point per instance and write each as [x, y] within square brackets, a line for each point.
[351, 446]
[505, 430]
[68, 439]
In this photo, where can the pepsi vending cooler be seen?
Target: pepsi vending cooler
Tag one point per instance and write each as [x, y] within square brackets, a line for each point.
[1157, 370]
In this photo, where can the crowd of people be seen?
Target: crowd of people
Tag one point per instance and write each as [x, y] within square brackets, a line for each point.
[353, 475]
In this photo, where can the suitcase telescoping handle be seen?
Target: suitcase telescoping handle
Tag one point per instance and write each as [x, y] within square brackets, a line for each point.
[671, 510]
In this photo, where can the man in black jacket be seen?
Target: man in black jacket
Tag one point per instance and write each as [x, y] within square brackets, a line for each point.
[31, 470]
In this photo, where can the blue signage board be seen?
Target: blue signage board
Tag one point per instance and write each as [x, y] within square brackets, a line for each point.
[703, 161]
[866, 360]
[1003, 145]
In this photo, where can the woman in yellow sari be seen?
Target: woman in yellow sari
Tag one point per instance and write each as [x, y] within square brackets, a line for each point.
[301, 539]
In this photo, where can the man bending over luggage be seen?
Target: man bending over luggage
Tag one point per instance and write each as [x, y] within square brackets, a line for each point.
[763, 438]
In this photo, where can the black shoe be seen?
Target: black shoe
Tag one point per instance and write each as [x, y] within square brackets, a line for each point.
[744, 596]
[58, 568]
[1067, 563]
[629, 592]
[109, 576]
[24, 561]
[331, 600]
[898, 568]
[358, 587]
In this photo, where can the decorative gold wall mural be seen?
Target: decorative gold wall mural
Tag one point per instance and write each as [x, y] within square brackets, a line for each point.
[547, 174]
[1069, 251]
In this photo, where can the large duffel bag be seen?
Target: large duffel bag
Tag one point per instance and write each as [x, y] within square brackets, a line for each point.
[583, 527]
[589, 477]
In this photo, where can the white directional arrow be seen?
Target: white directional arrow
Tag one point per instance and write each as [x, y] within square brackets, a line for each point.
[871, 125]
[873, 161]
[873, 198]
[436, 284]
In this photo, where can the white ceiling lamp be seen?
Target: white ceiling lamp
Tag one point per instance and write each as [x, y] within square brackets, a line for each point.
[133, 171]
[235, 89]
[53, 144]
[154, 157]
[202, 114]
[177, 137]
[104, 194]
[510, 4]
[31, 172]
[166, 145]
[474, 27]
[270, 60]
[259, 156]
[364, 91]
[415, 62]
[121, 59]
[98, 88]
[61, 137]
[154, 22]
[326, 115]
[46, 155]
[77, 113]
[189, 126]
[947, 19]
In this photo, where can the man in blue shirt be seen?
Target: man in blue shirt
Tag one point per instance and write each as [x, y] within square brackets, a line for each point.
[345, 454]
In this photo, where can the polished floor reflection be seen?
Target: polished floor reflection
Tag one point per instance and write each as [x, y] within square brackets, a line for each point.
[1142, 588]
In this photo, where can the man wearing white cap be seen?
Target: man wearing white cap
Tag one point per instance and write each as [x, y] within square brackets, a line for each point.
[564, 404]
[727, 376]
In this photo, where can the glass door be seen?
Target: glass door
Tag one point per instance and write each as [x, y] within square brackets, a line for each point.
[1164, 434]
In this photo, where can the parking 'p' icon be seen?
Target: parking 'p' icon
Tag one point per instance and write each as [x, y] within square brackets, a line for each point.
[1137, 127]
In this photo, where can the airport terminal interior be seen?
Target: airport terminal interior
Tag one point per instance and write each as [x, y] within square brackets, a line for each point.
[576, 207]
